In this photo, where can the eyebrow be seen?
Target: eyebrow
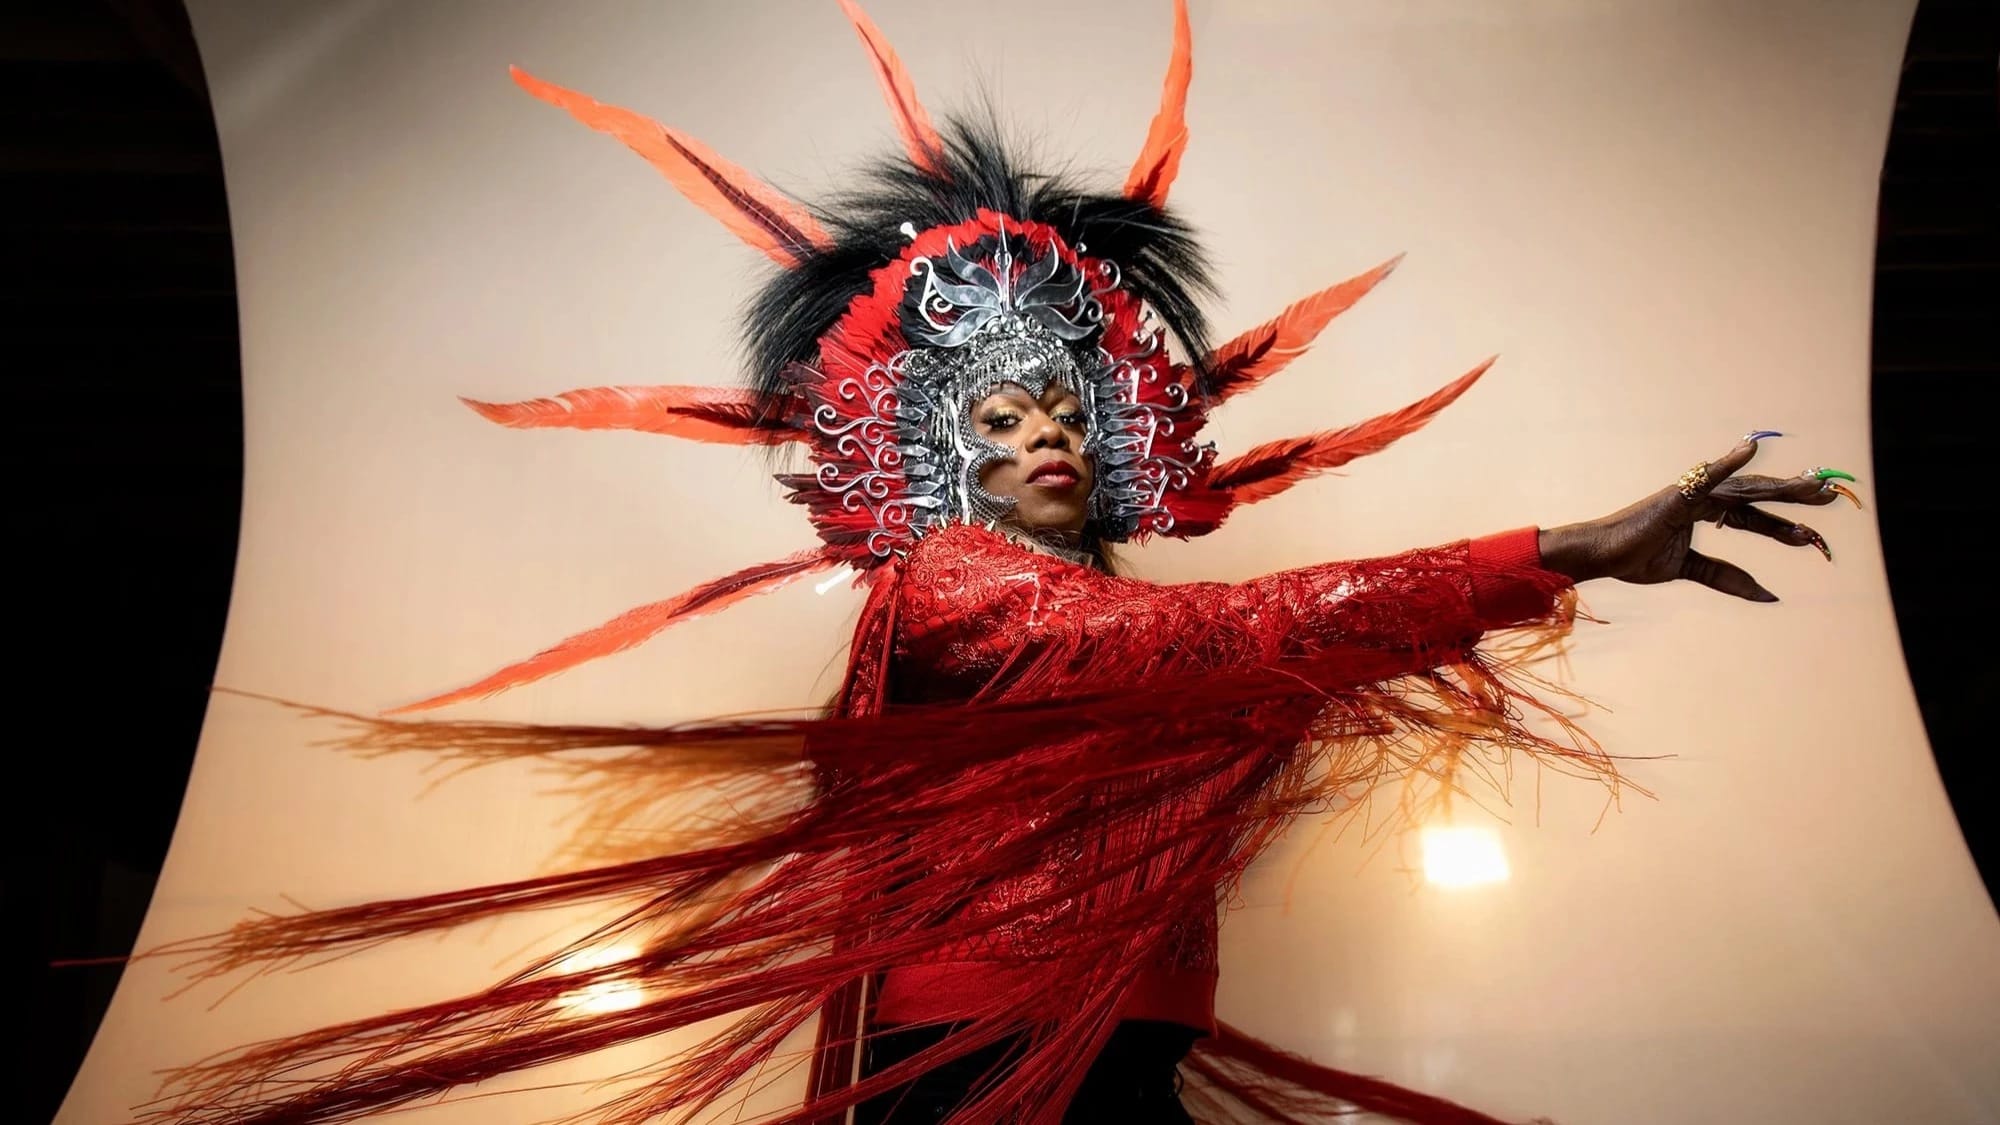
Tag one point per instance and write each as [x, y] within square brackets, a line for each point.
[1019, 394]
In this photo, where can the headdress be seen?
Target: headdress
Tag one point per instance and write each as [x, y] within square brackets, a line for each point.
[898, 306]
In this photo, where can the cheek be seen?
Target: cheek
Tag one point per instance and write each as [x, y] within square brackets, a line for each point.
[997, 477]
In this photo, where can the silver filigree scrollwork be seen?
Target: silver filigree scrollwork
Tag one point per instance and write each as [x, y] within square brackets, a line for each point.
[869, 460]
[1004, 312]
[1132, 479]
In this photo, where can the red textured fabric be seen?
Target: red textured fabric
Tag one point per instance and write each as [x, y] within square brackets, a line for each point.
[1032, 765]
[967, 611]
[1498, 560]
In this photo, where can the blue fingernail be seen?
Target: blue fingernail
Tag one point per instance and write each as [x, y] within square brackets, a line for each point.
[1760, 435]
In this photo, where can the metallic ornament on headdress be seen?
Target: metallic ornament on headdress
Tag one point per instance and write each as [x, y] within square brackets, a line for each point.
[885, 412]
[983, 327]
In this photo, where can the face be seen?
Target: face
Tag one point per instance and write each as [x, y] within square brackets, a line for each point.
[1048, 477]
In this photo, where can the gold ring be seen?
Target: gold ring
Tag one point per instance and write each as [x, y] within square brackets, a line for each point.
[1694, 482]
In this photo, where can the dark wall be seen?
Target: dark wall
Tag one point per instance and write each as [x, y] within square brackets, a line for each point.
[1936, 374]
[125, 404]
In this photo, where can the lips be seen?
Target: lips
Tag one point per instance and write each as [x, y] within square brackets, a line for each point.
[1055, 475]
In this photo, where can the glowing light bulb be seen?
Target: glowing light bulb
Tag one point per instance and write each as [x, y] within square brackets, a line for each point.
[611, 995]
[1463, 857]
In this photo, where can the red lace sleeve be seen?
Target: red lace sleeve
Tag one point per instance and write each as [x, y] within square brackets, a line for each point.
[974, 603]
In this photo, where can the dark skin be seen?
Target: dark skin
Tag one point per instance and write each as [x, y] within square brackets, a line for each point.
[1048, 477]
[1646, 543]
[1652, 541]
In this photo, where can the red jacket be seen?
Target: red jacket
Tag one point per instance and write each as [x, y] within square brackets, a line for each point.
[974, 616]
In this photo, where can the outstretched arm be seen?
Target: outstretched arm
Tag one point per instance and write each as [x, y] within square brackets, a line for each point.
[972, 602]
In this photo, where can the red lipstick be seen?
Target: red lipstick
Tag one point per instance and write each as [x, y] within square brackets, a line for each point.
[1055, 475]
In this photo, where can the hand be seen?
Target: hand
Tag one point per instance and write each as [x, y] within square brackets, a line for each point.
[1652, 540]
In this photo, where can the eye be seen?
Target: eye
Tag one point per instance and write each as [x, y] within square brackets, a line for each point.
[1072, 418]
[1000, 420]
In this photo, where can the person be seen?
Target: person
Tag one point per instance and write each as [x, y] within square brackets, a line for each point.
[986, 880]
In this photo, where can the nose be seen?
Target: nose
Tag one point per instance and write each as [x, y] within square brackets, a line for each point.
[1045, 433]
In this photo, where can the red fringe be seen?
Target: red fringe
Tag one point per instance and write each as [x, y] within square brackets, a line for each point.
[1234, 1073]
[854, 844]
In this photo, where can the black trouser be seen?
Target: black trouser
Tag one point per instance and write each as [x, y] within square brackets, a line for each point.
[1133, 1080]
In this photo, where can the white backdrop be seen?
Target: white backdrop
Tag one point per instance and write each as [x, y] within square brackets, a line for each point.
[1660, 213]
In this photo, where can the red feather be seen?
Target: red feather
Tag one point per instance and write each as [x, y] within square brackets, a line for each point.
[1276, 466]
[634, 627]
[713, 414]
[919, 136]
[753, 210]
[1264, 351]
[1160, 161]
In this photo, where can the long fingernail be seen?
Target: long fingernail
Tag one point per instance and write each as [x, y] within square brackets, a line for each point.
[1833, 474]
[1818, 540]
[1760, 435]
[1764, 595]
[1844, 491]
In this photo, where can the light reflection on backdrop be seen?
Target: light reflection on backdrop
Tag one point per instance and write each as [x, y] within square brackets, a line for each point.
[1457, 856]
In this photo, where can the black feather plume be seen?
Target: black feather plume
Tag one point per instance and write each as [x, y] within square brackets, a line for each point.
[1157, 256]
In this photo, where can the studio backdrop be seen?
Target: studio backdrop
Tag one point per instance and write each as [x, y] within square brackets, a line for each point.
[1659, 214]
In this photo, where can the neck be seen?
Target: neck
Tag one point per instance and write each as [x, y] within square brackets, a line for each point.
[1070, 546]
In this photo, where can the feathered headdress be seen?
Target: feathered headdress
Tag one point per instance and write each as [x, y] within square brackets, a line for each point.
[949, 268]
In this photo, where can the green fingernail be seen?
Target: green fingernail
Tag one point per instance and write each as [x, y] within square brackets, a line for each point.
[1833, 474]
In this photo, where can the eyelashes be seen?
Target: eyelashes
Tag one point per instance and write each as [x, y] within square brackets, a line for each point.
[1001, 422]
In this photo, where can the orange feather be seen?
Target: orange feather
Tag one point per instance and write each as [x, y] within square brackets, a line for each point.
[919, 137]
[1264, 351]
[1160, 161]
[752, 210]
[634, 627]
[1276, 466]
[713, 414]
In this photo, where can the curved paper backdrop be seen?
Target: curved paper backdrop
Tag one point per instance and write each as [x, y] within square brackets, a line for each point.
[1659, 213]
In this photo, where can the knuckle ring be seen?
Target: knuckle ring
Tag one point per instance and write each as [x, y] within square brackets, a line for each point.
[1693, 483]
